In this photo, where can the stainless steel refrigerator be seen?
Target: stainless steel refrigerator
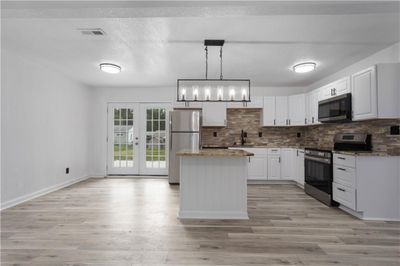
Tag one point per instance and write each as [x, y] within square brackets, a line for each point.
[184, 134]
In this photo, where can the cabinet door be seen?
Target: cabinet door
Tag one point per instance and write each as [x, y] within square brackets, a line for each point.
[189, 105]
[281, 110]
[256, 102]
[268, 118]
[214, 114]
[325, 93]
[287, 163]
[364, 94]
[274, 167]
[341, 86]
[312, 107]
[256, 170]
[297, 110]
[300, 167]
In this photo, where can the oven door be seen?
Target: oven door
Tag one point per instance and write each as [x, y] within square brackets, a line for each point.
[318, 173]
[335, 109]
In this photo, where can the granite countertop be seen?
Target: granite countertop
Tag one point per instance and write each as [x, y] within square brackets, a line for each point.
[367, 153]
[216, 153]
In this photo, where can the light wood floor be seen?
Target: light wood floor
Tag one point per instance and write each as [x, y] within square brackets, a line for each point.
[133, 222]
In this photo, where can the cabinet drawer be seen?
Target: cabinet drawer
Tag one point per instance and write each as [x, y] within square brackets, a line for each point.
[344, 195]
[344, 175]
[344, 160]
[274, 151]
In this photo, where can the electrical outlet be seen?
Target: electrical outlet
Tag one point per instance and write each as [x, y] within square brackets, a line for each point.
[260, 134]
[395, 130]
[298, 134]
[214, 133]
[67, 170]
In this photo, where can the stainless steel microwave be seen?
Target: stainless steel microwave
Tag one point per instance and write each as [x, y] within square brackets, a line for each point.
[337, 109]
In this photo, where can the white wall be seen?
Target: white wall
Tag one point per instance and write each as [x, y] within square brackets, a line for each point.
[390, 54]
[44, 128]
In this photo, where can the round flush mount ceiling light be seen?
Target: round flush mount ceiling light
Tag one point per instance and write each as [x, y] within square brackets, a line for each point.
[304, 67]
[110, 68]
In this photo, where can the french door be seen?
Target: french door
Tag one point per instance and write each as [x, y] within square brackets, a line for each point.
[138, 139]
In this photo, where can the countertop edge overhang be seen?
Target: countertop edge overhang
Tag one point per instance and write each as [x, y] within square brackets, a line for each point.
[216, 153]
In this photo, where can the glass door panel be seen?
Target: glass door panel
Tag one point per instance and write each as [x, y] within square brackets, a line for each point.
[155, 138]
[122, 139]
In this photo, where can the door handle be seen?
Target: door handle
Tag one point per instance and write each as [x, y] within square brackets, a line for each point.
[341, 158]
[305, 120]
[341, 189]
[136, 143]
[342, 169]
[313, 120]
[274, 122]
[279, 160]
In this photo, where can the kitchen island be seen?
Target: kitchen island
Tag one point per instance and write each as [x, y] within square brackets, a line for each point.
[213, 184]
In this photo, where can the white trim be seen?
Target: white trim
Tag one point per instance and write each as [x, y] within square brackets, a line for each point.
[213, 215]
[41, 192]
[361, 216]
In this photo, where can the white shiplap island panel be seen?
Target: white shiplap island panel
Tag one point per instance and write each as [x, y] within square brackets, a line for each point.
[213, 187]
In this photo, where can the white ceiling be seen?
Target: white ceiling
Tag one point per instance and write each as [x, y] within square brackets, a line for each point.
[158, 42]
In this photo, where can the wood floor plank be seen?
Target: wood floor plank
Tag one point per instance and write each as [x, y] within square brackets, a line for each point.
[134, 222]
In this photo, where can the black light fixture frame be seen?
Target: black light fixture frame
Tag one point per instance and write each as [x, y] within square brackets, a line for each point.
[207, 43]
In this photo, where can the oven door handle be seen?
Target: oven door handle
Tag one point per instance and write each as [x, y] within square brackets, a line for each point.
[321, 160]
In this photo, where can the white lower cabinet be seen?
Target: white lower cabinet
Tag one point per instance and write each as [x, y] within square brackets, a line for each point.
[274, 167]
[298, 175]
[257, 166]
[274, 164]
[287, 163]
[367, 186]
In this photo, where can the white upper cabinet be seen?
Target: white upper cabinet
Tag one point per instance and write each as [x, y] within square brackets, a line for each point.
[214, 114]
[375, 92]
[189, 105]
[268, 113]
[364, 94]
[281, 111]
[336, 88]
[312, 107]
[297, 110]
[256, 102]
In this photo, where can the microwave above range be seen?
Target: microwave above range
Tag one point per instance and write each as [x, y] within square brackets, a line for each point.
[336, 109]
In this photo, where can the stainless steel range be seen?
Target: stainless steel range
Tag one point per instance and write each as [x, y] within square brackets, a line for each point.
[318, 175]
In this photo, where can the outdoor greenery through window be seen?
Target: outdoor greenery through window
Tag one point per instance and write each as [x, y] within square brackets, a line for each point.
[123, 137]
[155, 137]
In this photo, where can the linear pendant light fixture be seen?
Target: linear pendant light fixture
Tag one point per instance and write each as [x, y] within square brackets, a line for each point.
[213, 90]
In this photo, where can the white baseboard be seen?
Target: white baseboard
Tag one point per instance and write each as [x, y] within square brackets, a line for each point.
[271, 182]
[220, 215]
[41, 192]
[361, 216]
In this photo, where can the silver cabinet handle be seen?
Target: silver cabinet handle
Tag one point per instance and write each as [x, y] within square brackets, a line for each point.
[342, 169]
[312, 120]
[279, 159]
[305, 120]
[249, 158]
[341, 189]
[274, 122]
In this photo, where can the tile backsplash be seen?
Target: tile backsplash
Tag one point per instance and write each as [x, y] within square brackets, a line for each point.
[311, 136]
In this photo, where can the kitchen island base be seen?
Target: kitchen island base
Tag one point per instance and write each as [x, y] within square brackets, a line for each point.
[213, 187]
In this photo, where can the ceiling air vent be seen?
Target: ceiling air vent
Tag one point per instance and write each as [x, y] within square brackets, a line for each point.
[93, 32]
